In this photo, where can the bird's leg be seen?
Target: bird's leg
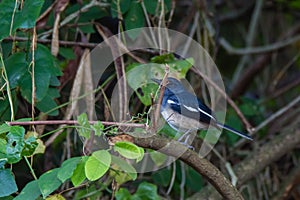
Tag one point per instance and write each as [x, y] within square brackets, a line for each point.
[186, 135]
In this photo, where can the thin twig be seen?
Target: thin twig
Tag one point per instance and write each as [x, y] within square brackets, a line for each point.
[32, 64]
[258, 50]
[10, 99]
[162, 91]
[12, 18]
[75, 14]
[73, 122]
[277, 114]
[249, 39]
[119, 67]
[48, 41]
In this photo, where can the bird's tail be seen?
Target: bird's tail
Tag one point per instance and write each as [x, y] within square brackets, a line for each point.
[224, 126]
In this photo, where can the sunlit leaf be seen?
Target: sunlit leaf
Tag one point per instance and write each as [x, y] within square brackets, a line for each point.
[97, 165]
[79, 173]
[128, 150]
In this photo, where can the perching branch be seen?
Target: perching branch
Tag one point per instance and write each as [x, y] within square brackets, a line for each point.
[191, 158]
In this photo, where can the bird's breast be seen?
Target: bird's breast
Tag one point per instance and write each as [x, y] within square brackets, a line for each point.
[180, 122]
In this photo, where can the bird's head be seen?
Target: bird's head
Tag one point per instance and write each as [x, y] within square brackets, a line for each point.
[174, 85]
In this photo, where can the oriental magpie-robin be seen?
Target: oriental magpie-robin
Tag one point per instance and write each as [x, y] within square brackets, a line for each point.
[185, 112]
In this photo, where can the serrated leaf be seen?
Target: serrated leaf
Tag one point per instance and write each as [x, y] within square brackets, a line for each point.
[128, 150]
[7, 182]
[97, 165]
[30, 191]
[98, 127]
[46, 186]
[79, 173]
[67, 169]
[85, 128]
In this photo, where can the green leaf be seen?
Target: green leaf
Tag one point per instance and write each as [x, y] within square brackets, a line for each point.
[146, 191]
[85, 127]
[139, 77]
[67, 169]
[164, 58]
[162, 177]
[55, 197]
[7, 182]
[124, 6]
[134, 18]
[123, 194]
[48, 103]
[154, 7]
[67, 53]
[6, 12]
[97, 165]
[30, 191]
[16, 66]
[3, 156]
[181, 66]
[24, 18]
[79, 173]
[15, 144]
[123, 166]
[29, 14]
[45, 68]
[98, 127]
[128, 150]
[158, 158]
[194, 180]
[3, 161]
[30, 146]
[4, 128]
[48, 182]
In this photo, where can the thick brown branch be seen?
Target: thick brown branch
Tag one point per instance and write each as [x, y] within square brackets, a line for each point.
[201, 165]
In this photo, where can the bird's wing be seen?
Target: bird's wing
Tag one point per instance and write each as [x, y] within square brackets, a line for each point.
[189, 106]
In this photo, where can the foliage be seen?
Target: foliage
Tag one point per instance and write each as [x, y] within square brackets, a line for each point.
[36, 84]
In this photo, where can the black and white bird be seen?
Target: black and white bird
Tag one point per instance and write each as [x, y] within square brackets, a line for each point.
[183, 111]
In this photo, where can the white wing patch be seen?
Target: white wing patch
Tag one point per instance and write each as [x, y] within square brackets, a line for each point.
[206, 113]
[190, 108]
[172, 102]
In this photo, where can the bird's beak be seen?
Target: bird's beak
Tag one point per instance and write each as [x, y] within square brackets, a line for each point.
[158, 81]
